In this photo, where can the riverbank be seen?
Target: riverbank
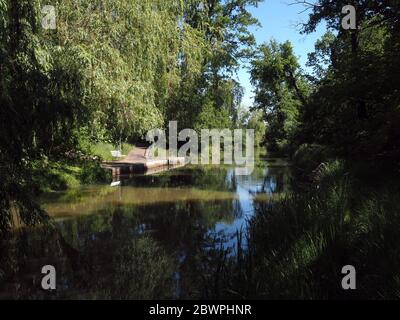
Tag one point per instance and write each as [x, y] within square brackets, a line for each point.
[132, 241]
[261, 236]
[299, 243]
[78, 169]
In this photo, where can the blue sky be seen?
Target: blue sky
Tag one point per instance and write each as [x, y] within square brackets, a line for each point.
[279, 21]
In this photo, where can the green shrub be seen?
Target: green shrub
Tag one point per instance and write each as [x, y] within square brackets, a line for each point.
[58, 176]
[308, 157]
[92, 172]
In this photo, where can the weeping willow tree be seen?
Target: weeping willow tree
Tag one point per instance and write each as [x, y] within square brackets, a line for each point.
[131, 54]
[109, 70]
[106, 71]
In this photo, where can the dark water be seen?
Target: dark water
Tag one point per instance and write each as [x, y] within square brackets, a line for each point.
[156, 236]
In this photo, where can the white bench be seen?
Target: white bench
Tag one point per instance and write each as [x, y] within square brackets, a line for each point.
[116, 153]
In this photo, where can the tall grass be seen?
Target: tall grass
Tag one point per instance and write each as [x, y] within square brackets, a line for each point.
[297, 245]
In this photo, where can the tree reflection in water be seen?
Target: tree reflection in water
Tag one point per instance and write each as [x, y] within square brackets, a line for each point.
[172, 235]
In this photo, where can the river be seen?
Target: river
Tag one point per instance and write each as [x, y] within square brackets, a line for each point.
[154, 236]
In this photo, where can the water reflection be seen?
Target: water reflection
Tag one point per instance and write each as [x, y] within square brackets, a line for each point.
[156, 236]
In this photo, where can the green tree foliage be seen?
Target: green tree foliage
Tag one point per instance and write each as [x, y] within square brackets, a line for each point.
[351, 103]
[225, 24]
[253, 119]
[111, 70]
[129, 53]
[211, 117]
[280, 91]
[354, 108]
[256, 122]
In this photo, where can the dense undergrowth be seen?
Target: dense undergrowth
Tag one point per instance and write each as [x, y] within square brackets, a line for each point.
[298, 244]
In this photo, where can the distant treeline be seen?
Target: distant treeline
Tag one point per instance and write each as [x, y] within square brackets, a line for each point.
[349, 106]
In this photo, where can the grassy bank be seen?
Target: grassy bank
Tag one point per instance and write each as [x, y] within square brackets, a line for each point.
[57, 176]
[103, 150]
[298, 244]
[81, 169]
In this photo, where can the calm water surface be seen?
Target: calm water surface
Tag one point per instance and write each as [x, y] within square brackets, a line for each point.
[155, 236]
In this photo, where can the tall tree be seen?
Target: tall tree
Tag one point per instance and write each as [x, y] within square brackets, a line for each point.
[355, 107]
[225, 24]
[281, 90]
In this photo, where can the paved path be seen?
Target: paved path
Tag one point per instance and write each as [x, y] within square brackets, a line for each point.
[137, 155]
[136, 161]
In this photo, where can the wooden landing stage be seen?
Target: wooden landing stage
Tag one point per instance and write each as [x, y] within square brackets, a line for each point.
[138, 162]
